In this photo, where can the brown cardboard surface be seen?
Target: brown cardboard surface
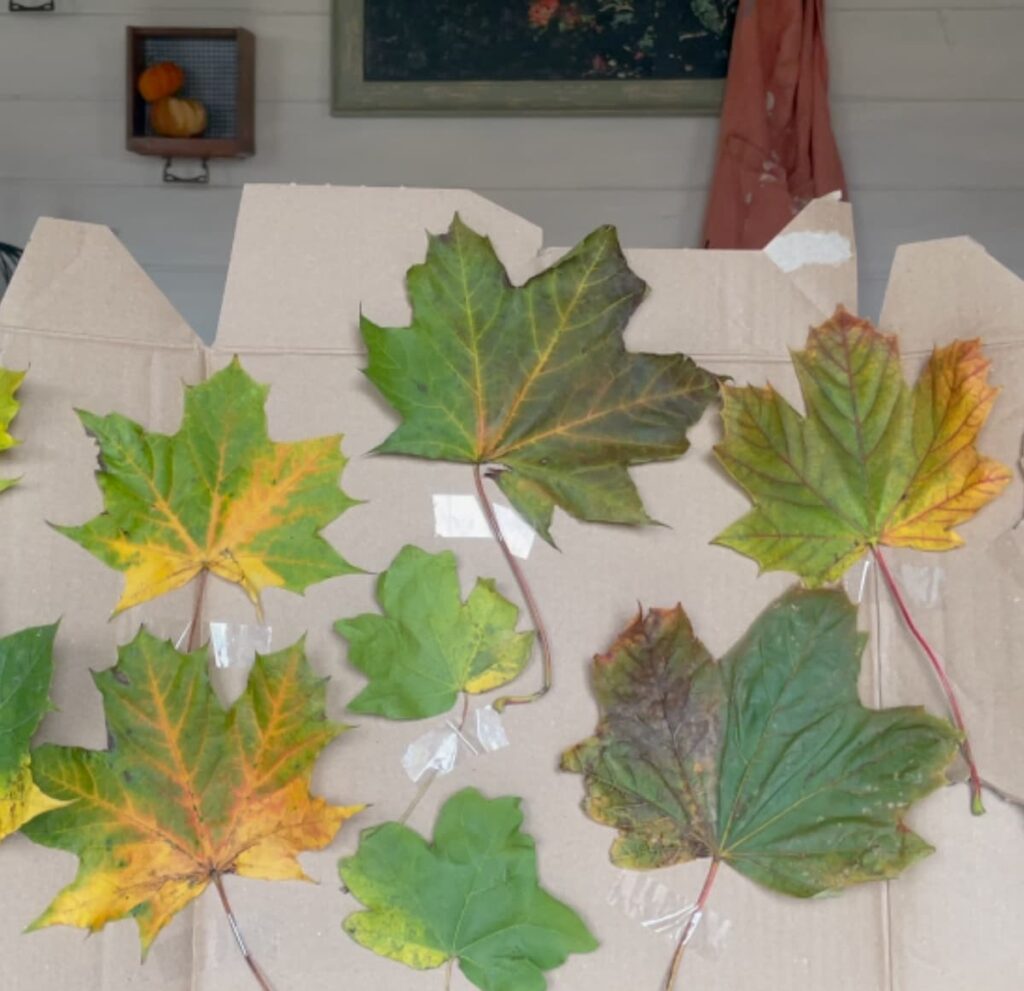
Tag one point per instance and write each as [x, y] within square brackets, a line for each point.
[98, 335]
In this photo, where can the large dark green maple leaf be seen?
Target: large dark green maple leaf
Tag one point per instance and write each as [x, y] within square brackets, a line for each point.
[766, 761]
[535, 379]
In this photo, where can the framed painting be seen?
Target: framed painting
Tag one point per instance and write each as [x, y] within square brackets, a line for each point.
[402, 57]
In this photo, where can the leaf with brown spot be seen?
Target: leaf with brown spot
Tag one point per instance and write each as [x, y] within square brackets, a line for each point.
[765, 760]
[187, 792]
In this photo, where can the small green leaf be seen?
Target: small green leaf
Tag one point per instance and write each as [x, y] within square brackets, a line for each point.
[429, 646]
[767, 760]
[471, 895]
[535, 378]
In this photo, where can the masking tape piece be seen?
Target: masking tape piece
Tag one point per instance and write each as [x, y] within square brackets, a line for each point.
[799, 248]
[436, 750]
[461, 516]
[237, 644]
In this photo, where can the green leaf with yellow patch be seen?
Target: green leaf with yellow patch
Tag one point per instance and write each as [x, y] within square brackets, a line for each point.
[429, 646]
[472, 895]
[767, 760]
[26, 668]
[217, 496]
[187, 791]
[9, 406]
[871, 463]
[535, 379]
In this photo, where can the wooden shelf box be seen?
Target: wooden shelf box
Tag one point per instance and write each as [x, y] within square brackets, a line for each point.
[219, 65]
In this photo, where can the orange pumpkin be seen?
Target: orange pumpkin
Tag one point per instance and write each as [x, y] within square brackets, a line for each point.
[174, 117]
[160, 80]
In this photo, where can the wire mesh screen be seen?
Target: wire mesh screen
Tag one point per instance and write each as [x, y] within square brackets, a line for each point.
[211, 75]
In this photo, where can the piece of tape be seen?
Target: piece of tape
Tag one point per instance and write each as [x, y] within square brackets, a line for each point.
[799, 248]
[235, 645]
[667, 914]
[490, 729]
[436, 751]
[461, 516]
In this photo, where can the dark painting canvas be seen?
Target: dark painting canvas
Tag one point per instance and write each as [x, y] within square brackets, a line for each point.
[545, 40]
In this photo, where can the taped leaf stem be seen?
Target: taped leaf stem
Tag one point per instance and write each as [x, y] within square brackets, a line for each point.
[691, 925]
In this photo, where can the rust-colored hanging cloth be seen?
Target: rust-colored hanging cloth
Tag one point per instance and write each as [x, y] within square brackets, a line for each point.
[776, 150]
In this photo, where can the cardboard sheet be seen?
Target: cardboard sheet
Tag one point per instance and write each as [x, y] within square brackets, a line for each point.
[97, 334]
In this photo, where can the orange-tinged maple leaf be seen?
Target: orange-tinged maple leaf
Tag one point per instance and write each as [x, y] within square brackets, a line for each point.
[187, 792]
[217, 496]
[872, 462]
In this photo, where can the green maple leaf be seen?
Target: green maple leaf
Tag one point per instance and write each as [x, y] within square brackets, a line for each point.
[217, 496]
[26, 667]
[766, 761]
[471, 895]
[429, 645]
[186, 792]
[9, 406]
[536, 378]
[873, 462]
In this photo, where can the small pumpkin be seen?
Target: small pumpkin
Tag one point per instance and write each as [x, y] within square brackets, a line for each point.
[174, 117]
[160, 80]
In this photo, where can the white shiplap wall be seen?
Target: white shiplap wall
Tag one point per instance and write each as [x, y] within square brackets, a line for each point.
[928, 105]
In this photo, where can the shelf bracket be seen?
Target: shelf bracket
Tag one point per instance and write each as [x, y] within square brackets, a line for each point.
[201, 178]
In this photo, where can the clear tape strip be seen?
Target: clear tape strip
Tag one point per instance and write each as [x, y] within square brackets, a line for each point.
[437, 750]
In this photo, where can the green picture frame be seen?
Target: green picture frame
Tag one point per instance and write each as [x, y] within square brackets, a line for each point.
[353, 95]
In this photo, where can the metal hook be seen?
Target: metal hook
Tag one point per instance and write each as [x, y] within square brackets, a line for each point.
[201, 179]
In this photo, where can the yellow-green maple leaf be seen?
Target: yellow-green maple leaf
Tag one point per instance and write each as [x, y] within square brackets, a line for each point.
[872, 461]
[9, 406]
[217, 496]
[187, 792]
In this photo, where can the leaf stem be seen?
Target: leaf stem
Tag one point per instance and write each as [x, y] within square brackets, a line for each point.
[1003, 795]
[448, 974]
[431, 776]
[977, 807]
[196, 626]
[261, 978]
[527, 593]
[691, 925]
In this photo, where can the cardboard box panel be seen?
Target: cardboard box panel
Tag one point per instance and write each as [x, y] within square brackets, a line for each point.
[306, 261]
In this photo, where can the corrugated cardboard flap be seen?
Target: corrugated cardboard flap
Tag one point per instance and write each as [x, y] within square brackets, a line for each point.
[78, 280]
[306, 258]
[952, 287]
